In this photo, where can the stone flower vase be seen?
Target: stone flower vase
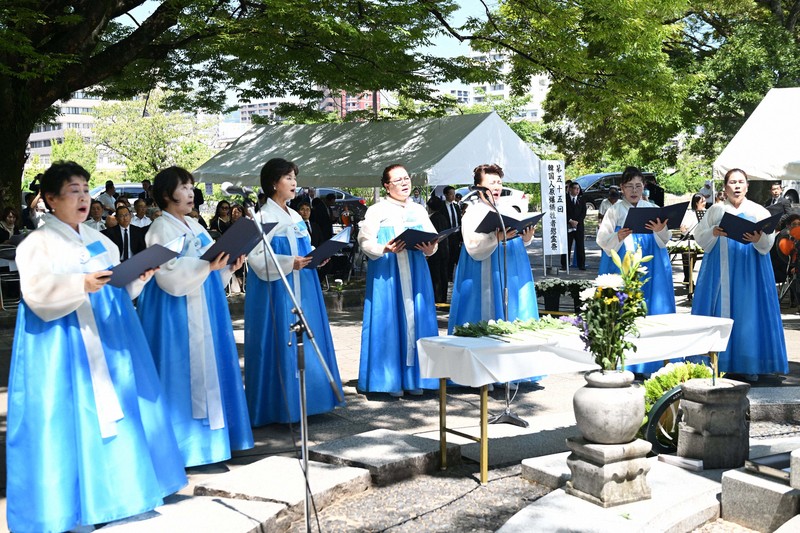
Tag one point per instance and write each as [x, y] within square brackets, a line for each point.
[608, 409]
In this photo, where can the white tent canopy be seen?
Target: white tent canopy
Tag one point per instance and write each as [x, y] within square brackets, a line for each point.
[434, 151]
[767, 146]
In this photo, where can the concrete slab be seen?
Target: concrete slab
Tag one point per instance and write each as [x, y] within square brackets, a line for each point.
[548, 470]
[203, 514]
[756, 502]
[790, 526]
[775, 404]
[388, 455]
[280, 480]
[681, 501]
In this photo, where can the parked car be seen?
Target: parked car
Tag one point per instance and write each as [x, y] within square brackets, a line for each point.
[129, 191]
[595, 187]
[356, 204]
[508, 196]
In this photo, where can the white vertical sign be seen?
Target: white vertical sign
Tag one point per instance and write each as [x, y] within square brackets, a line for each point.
[554, 223]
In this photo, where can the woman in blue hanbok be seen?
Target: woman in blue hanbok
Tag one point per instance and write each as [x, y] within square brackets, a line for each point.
[270, 364]
[89, 438]
[399, 305]
[658, 288]
[736, 281]
[188, 326]
[477, 286]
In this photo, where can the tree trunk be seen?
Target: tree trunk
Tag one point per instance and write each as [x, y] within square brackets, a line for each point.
[16, 123]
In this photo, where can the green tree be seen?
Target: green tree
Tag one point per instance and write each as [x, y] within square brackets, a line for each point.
[75, 148]
[200, 49]
[146, 142]
[628, 76]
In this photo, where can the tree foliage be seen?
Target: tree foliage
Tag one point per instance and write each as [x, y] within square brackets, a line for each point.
[201, 49]
[628, 76]
[75, 148]
[148, 142]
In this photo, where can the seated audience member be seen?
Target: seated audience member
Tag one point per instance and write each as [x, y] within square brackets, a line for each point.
[140, 218]
[200, 220]
[95, 220]
[153, 213]
[128, 238]
[221, 220]
[108, 197]
[8, 224]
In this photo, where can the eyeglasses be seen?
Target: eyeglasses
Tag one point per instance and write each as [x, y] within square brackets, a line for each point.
[400, 180]
[633, 187]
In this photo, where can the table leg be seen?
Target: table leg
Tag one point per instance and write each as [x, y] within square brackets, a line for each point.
[443, 424]
[714, 367]
[484, 434]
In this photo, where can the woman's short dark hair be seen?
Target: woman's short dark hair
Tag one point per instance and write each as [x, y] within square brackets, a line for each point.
[435, 203]
[58, 174]
[274, 170]
[784, 223]
[729, 173]
[385, 175]
[481, 170]
[7, 211]
[696, 200]
[629, 174]
[165, 183]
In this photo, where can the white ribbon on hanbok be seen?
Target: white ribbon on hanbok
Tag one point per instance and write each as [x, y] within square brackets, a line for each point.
[203, 373]
[407, 292]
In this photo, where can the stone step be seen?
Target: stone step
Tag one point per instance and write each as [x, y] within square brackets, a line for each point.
[681, 501]
[757, 502]
[280, 480]
[203, 515]
[774, 404]
[389, 456]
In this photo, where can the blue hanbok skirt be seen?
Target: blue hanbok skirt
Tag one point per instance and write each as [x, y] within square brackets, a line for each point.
[270, 368]
[61, 472]
[383, 365]
[757, 344]
[468, 287]
[659, 292]
[166, 326]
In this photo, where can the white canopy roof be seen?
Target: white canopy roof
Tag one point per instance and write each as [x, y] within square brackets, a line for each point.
[434, 151]
[767, 146]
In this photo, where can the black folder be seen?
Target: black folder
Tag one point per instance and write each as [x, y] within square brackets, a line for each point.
[491, 223]
[329, 247]
[736, 227]
[150, 257]
[638, 217]
[413, 237]
[238, 240]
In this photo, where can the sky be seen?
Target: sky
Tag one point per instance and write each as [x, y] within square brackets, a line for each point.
[444, 46]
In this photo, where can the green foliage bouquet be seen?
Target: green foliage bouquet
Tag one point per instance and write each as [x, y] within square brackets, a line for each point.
[610, 309]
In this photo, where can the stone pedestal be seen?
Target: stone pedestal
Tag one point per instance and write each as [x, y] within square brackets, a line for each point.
[608, 474]
[714, 426]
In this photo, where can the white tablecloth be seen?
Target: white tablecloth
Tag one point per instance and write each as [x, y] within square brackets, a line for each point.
[478, 361]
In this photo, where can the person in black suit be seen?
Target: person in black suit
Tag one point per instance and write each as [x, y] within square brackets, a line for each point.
[128, 238]
[576, 213]
[452, 212]
[778, 203]
[321, 214]
[439, 261]
[304, 208]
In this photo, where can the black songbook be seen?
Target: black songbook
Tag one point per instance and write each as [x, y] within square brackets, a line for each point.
[151, 257]
[736, 227]
[638, 217]
[413, 237]
[491, 223]
[329, 248]
[238, 240]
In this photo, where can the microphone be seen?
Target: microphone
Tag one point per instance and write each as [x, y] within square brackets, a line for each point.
[252, 212]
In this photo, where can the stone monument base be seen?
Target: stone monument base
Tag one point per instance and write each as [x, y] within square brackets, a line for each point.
[608, 474]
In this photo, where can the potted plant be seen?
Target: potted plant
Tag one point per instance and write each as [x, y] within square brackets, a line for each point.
[608, 410]
[575, 287]
[551, 289]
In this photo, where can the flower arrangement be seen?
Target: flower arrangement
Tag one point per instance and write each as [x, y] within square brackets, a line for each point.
[611, 306]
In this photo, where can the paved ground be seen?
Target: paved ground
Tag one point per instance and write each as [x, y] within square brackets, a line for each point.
[451, 500]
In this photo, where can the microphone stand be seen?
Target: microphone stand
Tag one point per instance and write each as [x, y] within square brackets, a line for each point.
[298, 328]
[506, 417]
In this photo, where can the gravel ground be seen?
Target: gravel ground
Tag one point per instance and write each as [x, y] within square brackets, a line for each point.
[455, 501]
